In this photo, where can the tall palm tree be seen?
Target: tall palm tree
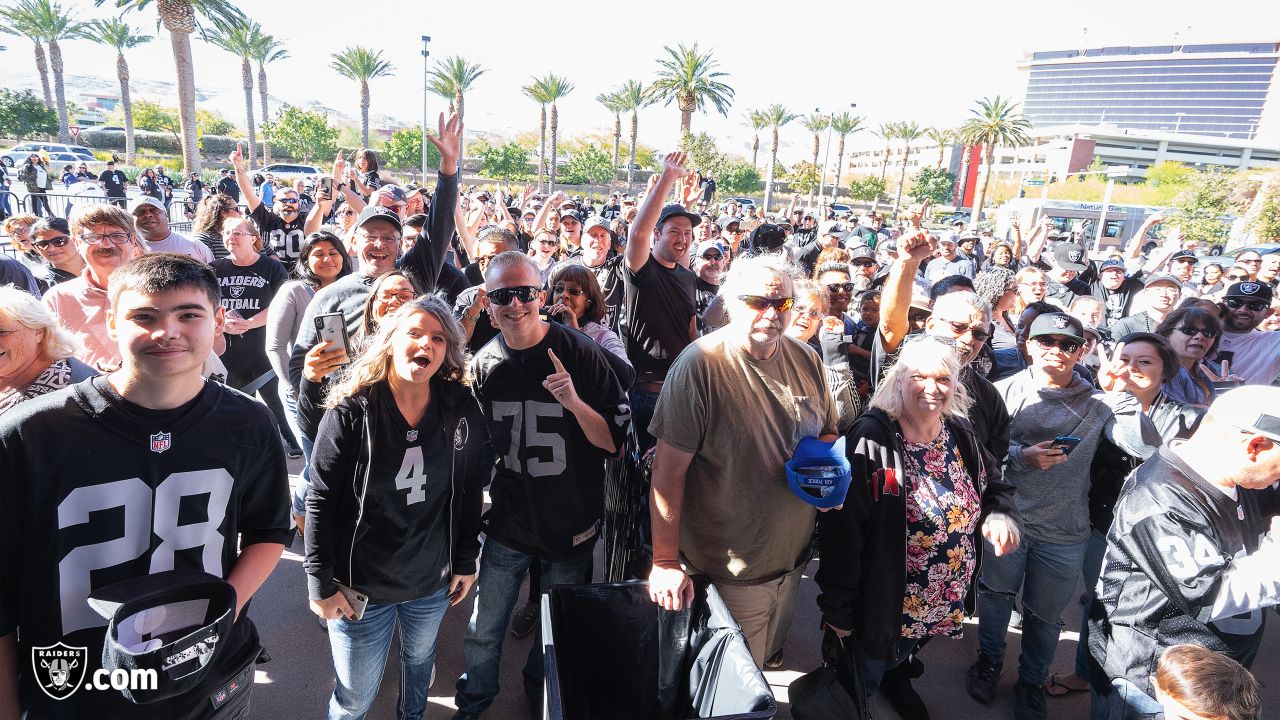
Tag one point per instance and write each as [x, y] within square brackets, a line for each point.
[46, 21]
[557, 87]
[120, 35]
[631, 97]
[455, 75]
[266, 50]
[843, 125]
[613, 104]
[362, 65]
[237, 37]
[690, 79]
[777, 116]
[908, 132]
[757, 121]
[886, 132]
[943, 137]
[181, 18]
[538, 92]
[24, 20]
[995, 122]
[816, 123]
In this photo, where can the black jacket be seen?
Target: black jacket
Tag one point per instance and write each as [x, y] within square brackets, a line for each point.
[863, 572]
[333, 503]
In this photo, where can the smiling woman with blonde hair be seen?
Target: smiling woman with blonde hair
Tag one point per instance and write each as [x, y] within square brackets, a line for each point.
[35, 354]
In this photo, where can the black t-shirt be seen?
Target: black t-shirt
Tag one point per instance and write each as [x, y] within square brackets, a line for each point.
[548, 492]
[248, 291]
[484, 330]
[125, 492]
[114, 182]
[706, 292]
[283, 238]
[659, 304]
[609, 276]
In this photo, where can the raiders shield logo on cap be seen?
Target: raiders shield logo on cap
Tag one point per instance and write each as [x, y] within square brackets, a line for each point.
[1061, 322]
[1250, 288]
[1074, 256]
[161, 441]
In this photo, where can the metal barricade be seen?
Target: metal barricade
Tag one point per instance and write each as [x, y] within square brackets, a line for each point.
[12, 203]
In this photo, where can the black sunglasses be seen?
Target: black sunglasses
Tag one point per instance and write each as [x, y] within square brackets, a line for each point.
[759, 303]
[59, 241]
[712, 255]
[1208, 333]
[1254, 305]
[571, 291]
[1063, 344]
[979, 334]
[504, 296]
[863, 263]
[1237, 278]
[840, 287]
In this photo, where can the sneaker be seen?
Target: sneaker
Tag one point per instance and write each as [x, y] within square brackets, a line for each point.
[982, 678]
[774, 662]
[1028, 703]
[896, 688]
[460, 715]
[1015, 620]
[525, 619]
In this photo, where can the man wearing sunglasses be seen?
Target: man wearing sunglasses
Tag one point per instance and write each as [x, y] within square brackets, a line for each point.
[51, 237]
[1253, 353]
[152, 222]
[284, 228]
[1058, 420]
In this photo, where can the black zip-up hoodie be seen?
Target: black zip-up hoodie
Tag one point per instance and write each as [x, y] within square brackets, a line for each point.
[334, 501]
[863, 545]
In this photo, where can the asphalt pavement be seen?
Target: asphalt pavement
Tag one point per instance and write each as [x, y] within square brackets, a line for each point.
[299, 679]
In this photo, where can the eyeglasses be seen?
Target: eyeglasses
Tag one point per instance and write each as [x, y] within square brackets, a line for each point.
[1254, 305]
[59, 241]
[979, 334]
[1208, 333]
[548, 242]
[384, 239]
[759, 303]
[712, 255]
[571, 291]
[401, 295]
[809, 312]
[115, 238]
[840, 287]
[1033, 284]
[504, 296]
[243, 233]
[1063, 344]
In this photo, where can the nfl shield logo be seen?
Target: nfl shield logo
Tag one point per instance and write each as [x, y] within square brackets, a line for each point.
[59, 669]
[161, 441]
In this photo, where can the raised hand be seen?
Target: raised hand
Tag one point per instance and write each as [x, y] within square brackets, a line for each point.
[1113, 373]
[237, 159]
[448, 141]
[915, 246]
[674, 164]
[339, 168]
[559, 384]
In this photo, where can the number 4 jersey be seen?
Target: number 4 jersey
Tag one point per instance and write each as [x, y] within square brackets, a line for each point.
[548, 493]
[94, 490]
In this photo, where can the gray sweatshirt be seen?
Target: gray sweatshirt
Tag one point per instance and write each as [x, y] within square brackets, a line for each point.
[1055, 503]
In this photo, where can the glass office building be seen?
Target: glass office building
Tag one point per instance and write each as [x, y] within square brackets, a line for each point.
[1196, 89]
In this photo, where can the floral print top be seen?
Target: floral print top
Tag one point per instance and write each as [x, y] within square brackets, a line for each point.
[943, 508]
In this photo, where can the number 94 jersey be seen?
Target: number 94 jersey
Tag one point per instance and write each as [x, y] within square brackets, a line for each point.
[94, 490]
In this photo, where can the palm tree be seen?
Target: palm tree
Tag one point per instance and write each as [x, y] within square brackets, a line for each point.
[690, 79]
[908, 132]
[631, 97]
[24, 20]
[121, 36]
[613, 104]
[816, 123]
[887, 132]
[362, 65]
[757, 121]
[454, 76]
[181, 18]
[46, 21]
[557, 87]
[777, 116]
[266, 50]
[843, 125]
[996, 122]
[237, 38]
[538, 92]
[943, 137]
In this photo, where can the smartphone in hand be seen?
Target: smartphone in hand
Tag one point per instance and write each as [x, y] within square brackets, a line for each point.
[1065, 443]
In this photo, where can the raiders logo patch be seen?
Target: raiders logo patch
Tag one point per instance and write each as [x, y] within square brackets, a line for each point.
[1061, 322]
[1250, 288]
[461, 434]
[1074, 256]
[237, 291]
[59, 669]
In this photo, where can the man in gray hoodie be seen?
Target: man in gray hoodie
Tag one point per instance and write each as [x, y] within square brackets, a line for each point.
[1057, 421]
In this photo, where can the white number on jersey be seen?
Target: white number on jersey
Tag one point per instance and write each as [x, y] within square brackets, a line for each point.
[524, 433]
[413, 476]
[1186, 561]
[287, 244]
[135, 499]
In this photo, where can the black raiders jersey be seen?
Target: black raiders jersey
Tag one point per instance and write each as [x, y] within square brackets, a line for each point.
[94, 490]
[283, 239]
[548, 493]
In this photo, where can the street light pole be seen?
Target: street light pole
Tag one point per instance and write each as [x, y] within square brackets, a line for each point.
[426, 73]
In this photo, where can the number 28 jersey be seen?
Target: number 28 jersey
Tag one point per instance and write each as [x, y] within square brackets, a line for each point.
[94, 490]
[548, 492]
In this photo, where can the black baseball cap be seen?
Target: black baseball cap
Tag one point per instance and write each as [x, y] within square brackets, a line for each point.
[724, 221]
[678, 210]
[570, 215]
[1057, 324]
[173, 622]
[1184, 255]
[1113, 264]
[1250, 290]
[377, 212]
[1069, 256]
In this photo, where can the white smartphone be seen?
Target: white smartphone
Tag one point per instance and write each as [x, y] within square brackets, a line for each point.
[356, 599]
[333, 327]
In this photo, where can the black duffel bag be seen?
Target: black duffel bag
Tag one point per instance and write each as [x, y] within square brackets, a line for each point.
[833, 691]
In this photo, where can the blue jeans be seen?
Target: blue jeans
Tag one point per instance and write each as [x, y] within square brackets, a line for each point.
[873, 669]
[1125, 702]
[1047, 574]
[1092, 567]
[643, 404]
[306, 443]
[360, 653]
[502, 571]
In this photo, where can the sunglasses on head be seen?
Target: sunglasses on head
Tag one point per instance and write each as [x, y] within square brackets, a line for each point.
[504, 296]
[759, 303]
[840, 287]
[1254, 305]
[1208, 333]
[59, 241]
[1066, 345]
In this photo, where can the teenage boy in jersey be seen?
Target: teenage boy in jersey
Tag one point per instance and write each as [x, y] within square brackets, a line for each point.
[166, 471]
[555, 411]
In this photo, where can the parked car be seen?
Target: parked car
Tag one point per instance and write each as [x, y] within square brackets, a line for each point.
[20, 152]
[743, 202]
[290, 172]
[841, 208]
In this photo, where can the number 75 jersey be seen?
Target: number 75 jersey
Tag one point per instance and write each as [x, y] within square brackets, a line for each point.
[94, 490]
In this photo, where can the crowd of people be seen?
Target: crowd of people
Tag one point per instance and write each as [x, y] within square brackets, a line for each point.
[1016, 416]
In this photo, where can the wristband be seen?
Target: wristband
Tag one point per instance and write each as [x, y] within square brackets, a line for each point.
[469, 316]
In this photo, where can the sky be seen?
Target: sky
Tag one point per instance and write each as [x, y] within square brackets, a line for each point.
[920, 60]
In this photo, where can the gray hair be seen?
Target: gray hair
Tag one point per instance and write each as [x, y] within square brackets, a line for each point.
[24, 309]
[748, 274]
[966, 302]
[922, 353]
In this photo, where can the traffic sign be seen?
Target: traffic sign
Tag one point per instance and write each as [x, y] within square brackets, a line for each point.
[75, 131]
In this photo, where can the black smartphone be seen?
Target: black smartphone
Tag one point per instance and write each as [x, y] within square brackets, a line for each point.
[326, 186]
[1065, 443]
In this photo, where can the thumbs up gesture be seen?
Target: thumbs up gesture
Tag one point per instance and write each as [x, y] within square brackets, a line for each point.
[559, 384]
